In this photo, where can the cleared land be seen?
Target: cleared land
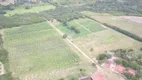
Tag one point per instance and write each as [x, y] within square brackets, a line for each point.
[85, 26]
[105, 40]
[37, 49]
[33, 9]
[133, 18]
[118, 21]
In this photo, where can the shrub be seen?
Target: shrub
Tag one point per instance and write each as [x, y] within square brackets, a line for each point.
[101, 57]
[128, 76]
[91, 50]
[27, 7]
[65, 36]
[76, 31]
[118, 61]
[141, 49]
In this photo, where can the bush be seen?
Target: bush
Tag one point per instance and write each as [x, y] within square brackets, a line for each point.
[91, 50]
[141, 49]
[7, 76]
[2, 12]
[101, 57]
[118, 61]
[128, 76]
[27, 7]
[65, 36]
[76, 31]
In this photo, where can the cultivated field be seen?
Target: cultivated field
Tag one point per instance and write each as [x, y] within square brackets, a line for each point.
[129, 23]
[105, 40]
[33, 9]
[37, 52]
[85, 26]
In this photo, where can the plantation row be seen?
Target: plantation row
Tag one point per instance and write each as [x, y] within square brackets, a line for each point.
[41, 50]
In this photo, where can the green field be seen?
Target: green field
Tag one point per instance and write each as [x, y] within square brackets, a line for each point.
[37, 48]
[33, 9]
[85, 26]
[118, 21]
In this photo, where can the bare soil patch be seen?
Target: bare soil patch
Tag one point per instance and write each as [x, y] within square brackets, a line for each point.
[133, 18]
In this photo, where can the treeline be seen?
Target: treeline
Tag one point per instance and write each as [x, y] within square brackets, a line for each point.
[5, 61]
[4, 8]
[124, 7]
[134, 36]
[62, 14]
[130, 59]
[129, 34]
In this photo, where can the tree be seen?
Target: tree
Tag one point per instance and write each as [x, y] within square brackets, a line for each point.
[118, 61]
[128, 76]
[65, 36]
[76, 31]
[27, 7]
[141, 49]
[101, 57]
[91, 50]
[72, 28]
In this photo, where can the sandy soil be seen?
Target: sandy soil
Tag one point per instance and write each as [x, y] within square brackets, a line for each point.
[133, 18]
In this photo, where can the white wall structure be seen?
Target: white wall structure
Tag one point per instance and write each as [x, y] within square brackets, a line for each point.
[2, 71]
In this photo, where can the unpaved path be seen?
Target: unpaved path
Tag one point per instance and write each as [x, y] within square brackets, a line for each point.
[83, 26]
[2, 34]
[75, 46]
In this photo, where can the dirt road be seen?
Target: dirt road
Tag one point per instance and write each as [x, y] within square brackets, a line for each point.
[75, 46]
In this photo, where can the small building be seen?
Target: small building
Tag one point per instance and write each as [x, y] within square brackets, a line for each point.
[1, 69]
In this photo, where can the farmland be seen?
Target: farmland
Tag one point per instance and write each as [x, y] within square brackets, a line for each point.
[110, 41]
[118, 21]
[32, 9]
[85, 26]
[35, 49]
[70, 39]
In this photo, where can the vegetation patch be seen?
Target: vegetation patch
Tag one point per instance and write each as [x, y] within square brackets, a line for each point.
[29, 9]
[18, 20]
[80, 27]
[39, 47]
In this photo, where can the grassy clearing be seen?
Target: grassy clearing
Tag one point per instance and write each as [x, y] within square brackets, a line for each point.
[118, 21]
[105, 40]
[33, 9]
[37, 48]
[85, 26]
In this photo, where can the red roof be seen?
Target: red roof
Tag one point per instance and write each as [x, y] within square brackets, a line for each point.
[119, 68]
[131, 71]
[97, 77]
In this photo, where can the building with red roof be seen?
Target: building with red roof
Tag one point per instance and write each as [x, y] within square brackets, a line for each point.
[119, 68]
[97, 76]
